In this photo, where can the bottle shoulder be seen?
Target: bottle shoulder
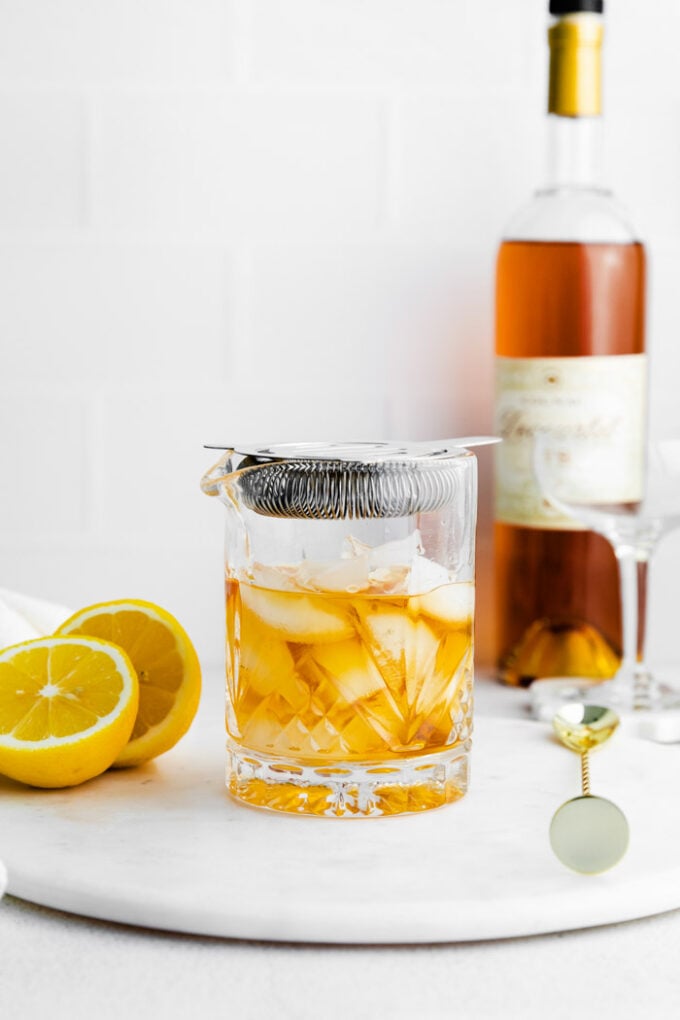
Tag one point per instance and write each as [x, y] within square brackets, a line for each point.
[572, 214]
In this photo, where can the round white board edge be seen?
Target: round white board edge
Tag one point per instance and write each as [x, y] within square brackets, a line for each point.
[165, 847]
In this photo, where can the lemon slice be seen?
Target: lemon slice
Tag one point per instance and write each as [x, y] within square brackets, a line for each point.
[67, 708]
[166, 665]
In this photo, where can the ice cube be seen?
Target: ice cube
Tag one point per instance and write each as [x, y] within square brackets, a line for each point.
[396, 567]
[352, 547]
[440, 688]
[276, 578]
[350, 672]
[450, 603]
[296, 617]
[348, 575]
[399, 552]
[266, 668]
[273, 730]
[405, 650]
[425, 575]
[389, 581]
[352, 576]
[350, 669]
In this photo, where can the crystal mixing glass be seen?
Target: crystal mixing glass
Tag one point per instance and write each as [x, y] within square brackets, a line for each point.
[349, 615]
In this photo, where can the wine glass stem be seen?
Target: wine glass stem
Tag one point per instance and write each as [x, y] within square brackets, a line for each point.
[633, 576]
[642, 573]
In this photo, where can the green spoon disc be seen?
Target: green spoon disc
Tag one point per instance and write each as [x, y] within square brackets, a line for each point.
[589, 834]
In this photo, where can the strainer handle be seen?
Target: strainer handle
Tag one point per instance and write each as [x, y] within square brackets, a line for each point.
[215, 476]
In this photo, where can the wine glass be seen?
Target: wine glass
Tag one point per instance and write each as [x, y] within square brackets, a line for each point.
[569, 468]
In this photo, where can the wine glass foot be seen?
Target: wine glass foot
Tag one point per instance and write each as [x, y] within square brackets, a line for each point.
[649, 709]
[547, 696]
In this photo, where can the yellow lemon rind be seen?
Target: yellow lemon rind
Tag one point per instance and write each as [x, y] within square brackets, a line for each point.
[68, 761]
[162, 737]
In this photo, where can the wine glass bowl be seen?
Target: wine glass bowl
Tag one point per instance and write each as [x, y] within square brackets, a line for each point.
[633, 502]
[649, 506]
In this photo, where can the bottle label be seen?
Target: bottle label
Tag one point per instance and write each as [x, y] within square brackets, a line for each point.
[598, 400]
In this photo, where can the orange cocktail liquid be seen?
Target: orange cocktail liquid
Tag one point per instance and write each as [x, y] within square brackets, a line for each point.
[318, 682]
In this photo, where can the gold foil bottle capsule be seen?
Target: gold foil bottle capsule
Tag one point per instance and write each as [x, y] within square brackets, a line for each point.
[575, 88]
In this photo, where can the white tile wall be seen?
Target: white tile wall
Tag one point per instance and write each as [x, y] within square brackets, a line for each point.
[43, 464]
[228, 218]
[237, 165]
[395, 43]
[88, 311]
[129, 41]
[447, 151]
[42, 170]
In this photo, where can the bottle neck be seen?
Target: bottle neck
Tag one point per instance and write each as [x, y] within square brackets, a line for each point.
[574, 101]
[574, 158]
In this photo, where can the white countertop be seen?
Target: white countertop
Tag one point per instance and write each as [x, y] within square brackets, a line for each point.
[61, 965]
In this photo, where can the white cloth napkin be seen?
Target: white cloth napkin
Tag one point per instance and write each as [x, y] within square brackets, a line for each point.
[23, 618]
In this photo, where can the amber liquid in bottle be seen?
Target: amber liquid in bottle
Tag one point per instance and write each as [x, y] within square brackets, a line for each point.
[557, 592]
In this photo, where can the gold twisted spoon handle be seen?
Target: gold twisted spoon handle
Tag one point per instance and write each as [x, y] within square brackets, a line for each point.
[588, 834]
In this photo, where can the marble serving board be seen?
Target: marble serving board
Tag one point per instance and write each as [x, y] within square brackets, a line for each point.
[164, 846]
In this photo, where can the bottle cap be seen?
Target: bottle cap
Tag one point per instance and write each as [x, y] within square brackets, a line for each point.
[576, 6]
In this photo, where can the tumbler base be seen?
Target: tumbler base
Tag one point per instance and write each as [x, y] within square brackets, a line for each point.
[348, 790]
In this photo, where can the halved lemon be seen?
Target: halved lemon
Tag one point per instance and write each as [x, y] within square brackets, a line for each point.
[67, 708]
[165, 662]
